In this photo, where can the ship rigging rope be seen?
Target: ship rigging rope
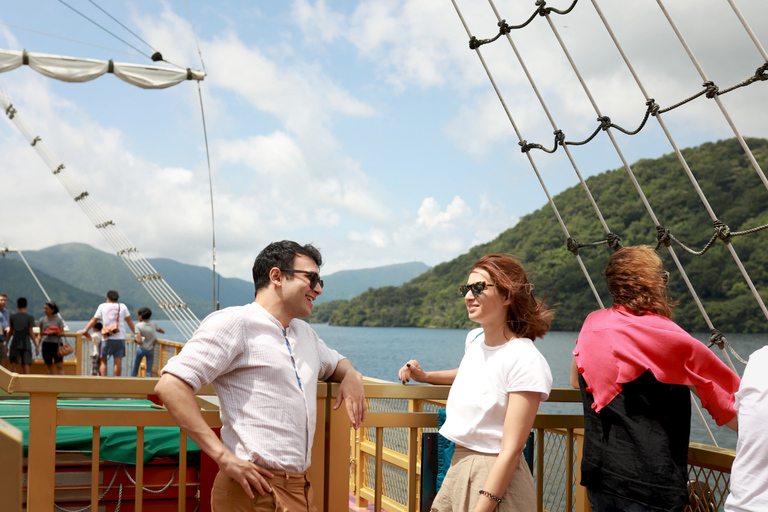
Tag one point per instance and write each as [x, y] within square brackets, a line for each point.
[167, 299]
[66, 39]
[663, 235]
[107, 30]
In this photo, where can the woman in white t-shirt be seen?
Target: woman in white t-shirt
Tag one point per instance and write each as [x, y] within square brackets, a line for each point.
[495, 392]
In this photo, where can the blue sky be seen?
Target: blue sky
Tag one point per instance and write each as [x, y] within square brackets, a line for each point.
[368, 128]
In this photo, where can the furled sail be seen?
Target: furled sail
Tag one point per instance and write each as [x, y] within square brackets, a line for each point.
[70, 69]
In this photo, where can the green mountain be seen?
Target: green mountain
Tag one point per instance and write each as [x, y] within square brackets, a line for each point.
[347, 284]
[733, 190]
[18, 282]
[85, 274]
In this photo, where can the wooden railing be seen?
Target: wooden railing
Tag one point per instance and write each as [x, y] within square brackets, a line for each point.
[340, 466]
[11, 444]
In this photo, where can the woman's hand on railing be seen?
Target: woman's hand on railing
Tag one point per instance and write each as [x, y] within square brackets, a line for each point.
[411, 370]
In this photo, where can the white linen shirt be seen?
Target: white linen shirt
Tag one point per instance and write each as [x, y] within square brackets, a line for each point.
[749, 474]
[266, 417]
[477, 403]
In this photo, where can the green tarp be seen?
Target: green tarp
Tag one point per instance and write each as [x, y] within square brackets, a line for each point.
[118, 444]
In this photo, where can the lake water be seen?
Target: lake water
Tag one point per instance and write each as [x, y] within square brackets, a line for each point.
[379, 352]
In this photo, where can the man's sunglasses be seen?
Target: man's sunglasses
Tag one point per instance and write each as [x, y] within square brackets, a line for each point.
[314, 277]
[477, 288]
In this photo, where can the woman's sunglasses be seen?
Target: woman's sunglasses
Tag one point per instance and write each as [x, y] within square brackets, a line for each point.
[314, 277]
[477, 288]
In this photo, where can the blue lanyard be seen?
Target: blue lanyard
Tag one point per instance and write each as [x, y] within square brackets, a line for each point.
[293, 361]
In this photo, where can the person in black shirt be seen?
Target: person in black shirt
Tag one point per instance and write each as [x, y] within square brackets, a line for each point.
[21, 335]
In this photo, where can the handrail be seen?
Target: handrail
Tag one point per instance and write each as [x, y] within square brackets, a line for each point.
[557, 447]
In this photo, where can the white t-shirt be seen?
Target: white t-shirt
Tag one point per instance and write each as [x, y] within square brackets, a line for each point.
[113, 313]
[749, 475]
[96, 344]
[477, 402]
[255, 366]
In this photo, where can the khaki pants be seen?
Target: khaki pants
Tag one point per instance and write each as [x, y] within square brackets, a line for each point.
[291, 492]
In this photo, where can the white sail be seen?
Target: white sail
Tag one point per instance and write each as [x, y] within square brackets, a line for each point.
[70, 69]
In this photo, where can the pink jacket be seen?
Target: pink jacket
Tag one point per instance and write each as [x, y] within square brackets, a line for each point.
[616, 346]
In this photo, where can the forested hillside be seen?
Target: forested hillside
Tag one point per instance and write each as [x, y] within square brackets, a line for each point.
[735, 193]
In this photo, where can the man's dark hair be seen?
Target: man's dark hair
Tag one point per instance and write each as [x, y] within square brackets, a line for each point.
[145, 313]
[280, 255]
[112, 295]
[21, 302]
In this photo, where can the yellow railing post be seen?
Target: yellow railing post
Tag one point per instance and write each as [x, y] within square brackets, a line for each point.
[582, 502]
[337, 450]
[41, 465]
[11, 443]
[317, 472]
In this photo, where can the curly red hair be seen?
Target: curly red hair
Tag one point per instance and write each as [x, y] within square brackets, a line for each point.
[635, 280]
[527, 317]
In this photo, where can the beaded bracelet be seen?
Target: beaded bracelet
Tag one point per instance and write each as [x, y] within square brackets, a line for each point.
[490, 496]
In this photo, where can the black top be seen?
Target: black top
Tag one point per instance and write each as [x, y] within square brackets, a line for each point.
[637, 447]
[21, 322]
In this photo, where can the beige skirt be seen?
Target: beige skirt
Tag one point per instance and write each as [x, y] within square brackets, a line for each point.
[467, 475]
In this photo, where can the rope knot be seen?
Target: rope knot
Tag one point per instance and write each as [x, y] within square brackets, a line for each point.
[712, 89]
[760, 74]
[653, 107]
[542, 8]
[525, 147]
[474, 43]
[559, 138]
[722, 230]
[717, 338]
[572, 245]
[605, 122]
[663, 236]
[614, 241]
[503, 27]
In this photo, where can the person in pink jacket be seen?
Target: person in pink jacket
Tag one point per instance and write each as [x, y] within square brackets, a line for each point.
[635, 368]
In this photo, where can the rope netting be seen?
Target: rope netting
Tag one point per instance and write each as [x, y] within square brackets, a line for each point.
[176, 309]
[651, 109]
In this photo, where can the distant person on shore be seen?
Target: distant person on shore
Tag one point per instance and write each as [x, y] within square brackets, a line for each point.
[146, 336]
[21, 333]
[51, 329]
[495, 392]
[749, 474]
[5, 318]
[113, 315]
[264, 363]
[635, 367]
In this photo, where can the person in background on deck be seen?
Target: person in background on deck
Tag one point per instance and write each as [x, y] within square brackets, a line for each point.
[495, 392]
[264, 364]
[112, 314]
[749, 474]
[51, 329]
[5, 318]
[95, 339]
[21, 333]
[635, 367]
[146, 336]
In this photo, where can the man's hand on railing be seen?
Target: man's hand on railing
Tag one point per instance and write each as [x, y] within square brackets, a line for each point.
[350, 391]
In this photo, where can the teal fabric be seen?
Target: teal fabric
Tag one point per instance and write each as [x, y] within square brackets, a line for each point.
[118, 444]
[444, 451]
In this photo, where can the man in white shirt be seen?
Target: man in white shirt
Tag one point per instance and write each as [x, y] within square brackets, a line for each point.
[115, 315]
[264, 364]
[749, 474]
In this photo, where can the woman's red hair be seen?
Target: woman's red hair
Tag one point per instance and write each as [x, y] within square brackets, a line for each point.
[526, 316]
[634, 277]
